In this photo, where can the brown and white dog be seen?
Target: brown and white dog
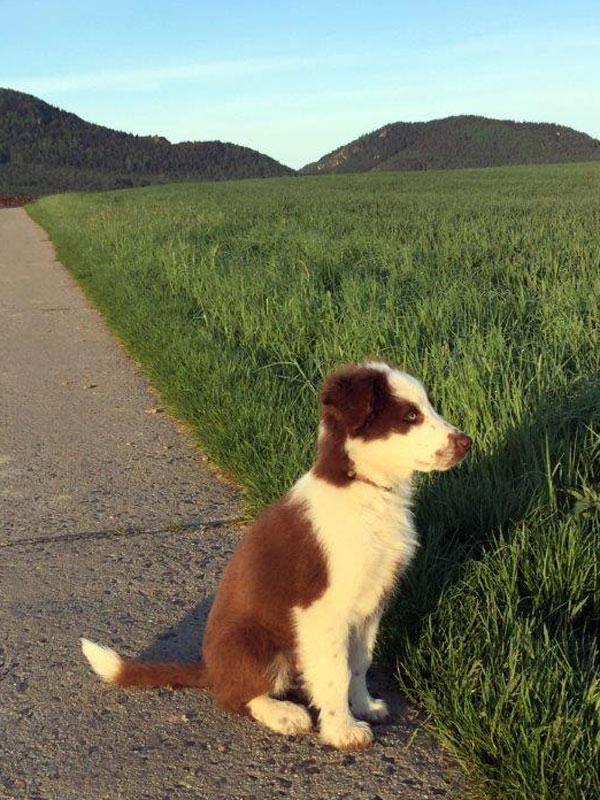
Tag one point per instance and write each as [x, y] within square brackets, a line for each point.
[302, 596]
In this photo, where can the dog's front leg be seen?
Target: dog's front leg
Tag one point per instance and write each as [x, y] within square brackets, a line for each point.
[322, 648]
[362, 641]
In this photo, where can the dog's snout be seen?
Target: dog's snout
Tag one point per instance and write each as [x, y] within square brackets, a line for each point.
[463, 441]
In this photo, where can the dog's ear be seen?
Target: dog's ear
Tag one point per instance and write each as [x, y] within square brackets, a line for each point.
[350, 397]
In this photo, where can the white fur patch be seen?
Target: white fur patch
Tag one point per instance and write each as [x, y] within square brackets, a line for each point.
[367, 535]
[104, 660]
[280, 715]
[368, 538]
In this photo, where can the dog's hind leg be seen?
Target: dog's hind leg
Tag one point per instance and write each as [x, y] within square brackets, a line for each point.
[248, 667]
[281, 716]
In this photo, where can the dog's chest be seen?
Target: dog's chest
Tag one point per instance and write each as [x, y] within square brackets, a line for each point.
[368, 538]
[366, 556]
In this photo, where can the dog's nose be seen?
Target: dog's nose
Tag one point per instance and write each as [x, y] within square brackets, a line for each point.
[463, 441]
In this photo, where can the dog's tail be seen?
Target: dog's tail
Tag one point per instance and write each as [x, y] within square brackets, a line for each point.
[149, 674]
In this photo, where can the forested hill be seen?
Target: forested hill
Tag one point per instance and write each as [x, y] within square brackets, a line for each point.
[44, 149]
[455, 142]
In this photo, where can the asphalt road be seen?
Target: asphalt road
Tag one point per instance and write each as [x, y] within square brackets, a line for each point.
[113, 527]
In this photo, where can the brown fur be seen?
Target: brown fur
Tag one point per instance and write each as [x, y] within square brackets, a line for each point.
[357, 402]
[277, 566]
[149, 675]
[249, 638]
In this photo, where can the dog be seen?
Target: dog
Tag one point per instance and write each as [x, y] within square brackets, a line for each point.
[302, 596]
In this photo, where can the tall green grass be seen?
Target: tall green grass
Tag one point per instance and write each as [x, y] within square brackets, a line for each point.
[239, 297]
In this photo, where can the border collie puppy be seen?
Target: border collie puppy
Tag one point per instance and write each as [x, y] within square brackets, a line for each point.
[301, 599]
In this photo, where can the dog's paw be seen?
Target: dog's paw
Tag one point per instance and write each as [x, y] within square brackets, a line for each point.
[292, 719]
[349, 736]
[281, 716]
[372, 710]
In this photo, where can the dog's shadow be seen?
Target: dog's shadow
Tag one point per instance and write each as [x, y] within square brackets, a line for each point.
[182, 641]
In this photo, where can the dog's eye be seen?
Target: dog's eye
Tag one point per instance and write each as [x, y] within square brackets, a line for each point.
[411, 416]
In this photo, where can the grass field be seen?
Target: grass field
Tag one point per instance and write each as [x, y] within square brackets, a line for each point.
[239, 297]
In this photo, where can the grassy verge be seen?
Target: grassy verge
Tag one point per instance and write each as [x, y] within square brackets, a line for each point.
[239, 297]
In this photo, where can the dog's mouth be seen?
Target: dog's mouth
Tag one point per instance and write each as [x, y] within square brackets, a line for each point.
[452, 461]
[443, 465]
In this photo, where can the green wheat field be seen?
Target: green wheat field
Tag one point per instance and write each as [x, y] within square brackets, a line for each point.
[239, 297]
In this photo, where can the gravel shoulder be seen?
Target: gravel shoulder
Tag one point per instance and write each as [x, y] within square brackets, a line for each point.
[113, 527]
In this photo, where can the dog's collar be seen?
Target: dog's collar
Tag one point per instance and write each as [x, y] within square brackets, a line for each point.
[363, 478]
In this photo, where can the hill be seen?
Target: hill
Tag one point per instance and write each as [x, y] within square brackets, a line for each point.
[44, 149]
[456, 142]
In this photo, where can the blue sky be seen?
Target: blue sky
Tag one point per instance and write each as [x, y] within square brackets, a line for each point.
[296, 80]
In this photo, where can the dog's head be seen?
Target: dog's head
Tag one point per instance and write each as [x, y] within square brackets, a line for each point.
[387, 423]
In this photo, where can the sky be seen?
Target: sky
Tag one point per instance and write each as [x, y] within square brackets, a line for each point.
[297, 80]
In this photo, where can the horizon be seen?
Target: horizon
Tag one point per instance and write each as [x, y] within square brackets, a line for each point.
[315, 89]
[366, 133]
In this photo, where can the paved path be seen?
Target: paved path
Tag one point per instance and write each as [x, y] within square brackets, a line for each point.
[81, 461]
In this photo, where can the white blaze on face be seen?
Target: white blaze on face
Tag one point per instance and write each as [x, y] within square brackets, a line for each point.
[427, 444]
[424, 447]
